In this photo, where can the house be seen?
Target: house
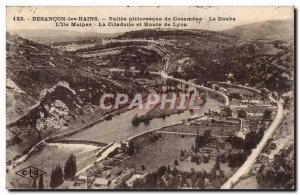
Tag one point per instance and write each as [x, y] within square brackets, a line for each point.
[239, 107]
[254, 115]
[134, 177]
[126, 174]
[99, 182]
[253, 102]
[223, 89]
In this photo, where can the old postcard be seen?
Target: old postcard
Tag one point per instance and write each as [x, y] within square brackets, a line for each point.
[150, 98]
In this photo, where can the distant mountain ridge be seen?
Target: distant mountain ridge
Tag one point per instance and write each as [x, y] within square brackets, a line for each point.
[271, 30]
[47, 35]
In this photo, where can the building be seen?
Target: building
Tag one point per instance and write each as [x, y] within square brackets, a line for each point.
[100, 182]
[251, 102]
[126, 174]
[134, 177]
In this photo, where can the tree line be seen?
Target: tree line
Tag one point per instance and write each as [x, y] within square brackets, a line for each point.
[58, 175]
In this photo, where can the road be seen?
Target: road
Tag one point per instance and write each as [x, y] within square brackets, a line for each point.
[245, 168]
[165, 75]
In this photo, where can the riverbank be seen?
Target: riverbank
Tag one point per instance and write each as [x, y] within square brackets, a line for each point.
[245, 168]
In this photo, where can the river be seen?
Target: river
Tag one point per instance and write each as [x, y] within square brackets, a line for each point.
[120, 127]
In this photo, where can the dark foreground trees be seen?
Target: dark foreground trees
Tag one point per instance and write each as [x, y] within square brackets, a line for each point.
[246, 145]
[34, 183]
[130, 148]
[279, 174]
[202, 140]
[56, 176]
[70, 168]
[41, 182]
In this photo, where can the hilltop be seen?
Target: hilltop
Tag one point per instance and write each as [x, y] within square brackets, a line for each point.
[48, 91]
[202, 55]
[48, 36]
[269, 30]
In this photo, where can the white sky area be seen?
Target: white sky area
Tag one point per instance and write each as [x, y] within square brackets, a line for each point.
[243, 15]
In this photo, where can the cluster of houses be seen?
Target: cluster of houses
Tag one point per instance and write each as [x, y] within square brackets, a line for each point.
[253, 108]
[107, 173]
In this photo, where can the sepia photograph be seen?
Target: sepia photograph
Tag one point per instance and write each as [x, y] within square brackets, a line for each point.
[187, 98]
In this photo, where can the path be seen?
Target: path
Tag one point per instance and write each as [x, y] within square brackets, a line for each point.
[245, 168]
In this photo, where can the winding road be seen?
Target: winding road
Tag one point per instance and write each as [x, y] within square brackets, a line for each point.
[245, 168]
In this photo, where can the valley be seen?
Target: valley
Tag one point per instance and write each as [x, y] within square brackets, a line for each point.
[54, 91]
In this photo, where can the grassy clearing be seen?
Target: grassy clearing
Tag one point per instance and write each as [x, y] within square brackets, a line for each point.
[166, 149]
[201, 128]
[45, 159]
[162, 152]
[187, 166]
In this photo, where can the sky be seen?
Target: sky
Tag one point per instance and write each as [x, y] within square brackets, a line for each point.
[242, 15]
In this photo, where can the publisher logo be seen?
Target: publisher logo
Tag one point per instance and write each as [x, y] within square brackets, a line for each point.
[30, 172]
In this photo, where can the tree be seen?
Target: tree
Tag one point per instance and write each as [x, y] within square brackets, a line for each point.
[160, 183]
[227, 111]
[130, 148]
[200, 141]
[138, 183]
[251, 140]
[34, 183]
[143, 167]
[217, 87]
[176, 162]
[168, 169]
[41, 182]
[173, 183]
[70, 168]
[235, 141]
[52, 178]
[217, 165]
[267, 114]
[181, 153]
[236, 159]
[150, 180]
[161, 171]
[234, 95]
[56, 178]
[207, 134]
[60, 175]
[242, 114]
[281, 170]
[174, 172]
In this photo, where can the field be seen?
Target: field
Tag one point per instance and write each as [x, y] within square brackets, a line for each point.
[45, 159]
[161, 152]
[248, 183]
[202, 127]
[241, 91]
[165, 150]
[187, 166]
